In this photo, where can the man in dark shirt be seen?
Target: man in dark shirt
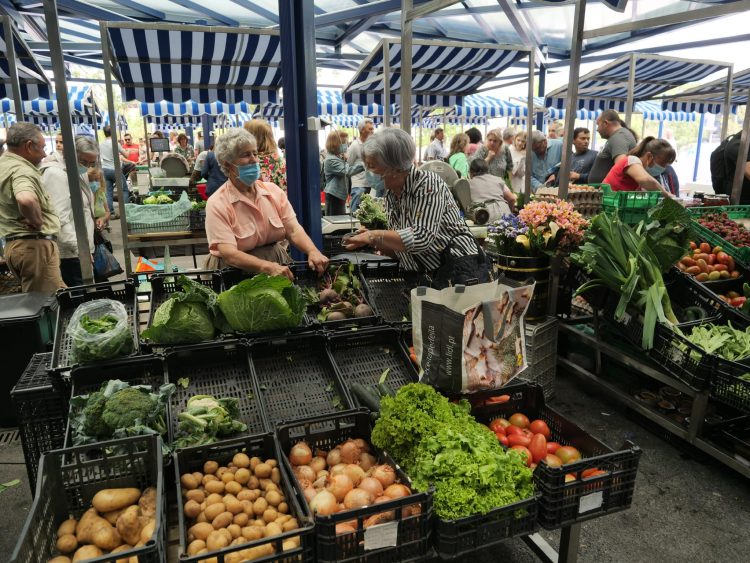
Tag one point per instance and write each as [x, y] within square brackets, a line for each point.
[620, 141]
[730, 154]
[582, 159]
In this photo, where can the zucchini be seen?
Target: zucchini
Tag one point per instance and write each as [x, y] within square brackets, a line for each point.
[693, 314]
[367, 396]
[385, 390]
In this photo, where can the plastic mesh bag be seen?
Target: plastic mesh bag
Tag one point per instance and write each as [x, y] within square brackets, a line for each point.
[174, 215]
[99, 330]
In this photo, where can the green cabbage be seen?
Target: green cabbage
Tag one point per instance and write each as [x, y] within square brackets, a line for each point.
[263, 303]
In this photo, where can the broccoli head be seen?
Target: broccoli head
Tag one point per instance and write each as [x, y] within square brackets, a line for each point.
[94, 425]
[128, 407]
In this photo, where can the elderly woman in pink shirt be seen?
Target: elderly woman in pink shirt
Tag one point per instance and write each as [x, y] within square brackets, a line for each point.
[248, 222]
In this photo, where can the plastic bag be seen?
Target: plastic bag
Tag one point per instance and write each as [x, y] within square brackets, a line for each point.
[171, 216]
[105, 263]
[100, 330]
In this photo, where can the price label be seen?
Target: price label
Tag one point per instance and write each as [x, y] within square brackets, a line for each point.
[590, 502]
[382, 535]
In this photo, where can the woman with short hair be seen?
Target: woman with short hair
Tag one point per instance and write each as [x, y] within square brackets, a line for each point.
[184, 149]
[335, 172]
[272, 165]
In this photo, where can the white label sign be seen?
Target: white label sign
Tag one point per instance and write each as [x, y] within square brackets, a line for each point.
[382, 535]
[590, 502]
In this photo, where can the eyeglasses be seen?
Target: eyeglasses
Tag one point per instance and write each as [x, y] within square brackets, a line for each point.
[89, 164]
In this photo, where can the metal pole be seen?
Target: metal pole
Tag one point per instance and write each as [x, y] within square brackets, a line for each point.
[571, 99]
[529, 128]
[739, 172]
[387, 84]
[421, 124]
[643, 127]
[148, 144]
[661, 129]
[542, 85]
[406, 60]
[631, 88]
[69, 147]
[13, 68]
[698, 148]
[727, 104]
[107, 58]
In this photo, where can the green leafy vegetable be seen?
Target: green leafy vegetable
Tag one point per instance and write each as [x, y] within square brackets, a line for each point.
[100, 330]
[371, 213]
[723, 340]
[183, 382]
[206, 418]
[668, 232]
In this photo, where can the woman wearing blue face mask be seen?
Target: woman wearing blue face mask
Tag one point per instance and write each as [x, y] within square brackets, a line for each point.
[640, 170]
[248, 221]
[55, 180]
[336, 172]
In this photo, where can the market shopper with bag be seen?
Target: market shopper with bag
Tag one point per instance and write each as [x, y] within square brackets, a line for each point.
[28, 221]
[640, 170]
[248, 221]
[336, 171]
[427, 235]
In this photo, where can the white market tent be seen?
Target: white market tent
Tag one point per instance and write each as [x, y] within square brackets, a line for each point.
[711, 97]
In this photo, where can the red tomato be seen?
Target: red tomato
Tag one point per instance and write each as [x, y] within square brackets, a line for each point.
[525, 453]
[738, 301]
[528, 433]
[552, 447]
[503, 440]
[552, 460]
[730, 263]
[519, 419]
[705, 248]
[595, 472]
[503, 421]
[569, 478]
[496, 426]
[568, 454]
[538, 447]
[722, 257]
[518, 440]
[540, 427]
[497, 400]
[711, 259]
[720, 267]
[513, 430]
[693, 246]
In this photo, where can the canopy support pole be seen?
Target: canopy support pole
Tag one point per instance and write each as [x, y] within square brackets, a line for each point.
[421, 125]
[727, 104]
[739, 172]
[661, 130]
[542, 85]
[571, 98]
[387, 84]
[529, 128]
[15, 84]
[69, 147]
[698, 147]
[643, 127]
[107, 58]
[206, 123]
[631, 88]
[297, 27]
[406, 63]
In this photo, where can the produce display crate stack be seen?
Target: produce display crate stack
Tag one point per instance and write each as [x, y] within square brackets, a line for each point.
[388, 291]
[41, 401]
[541, 355]
[739, 214]
[197, 219]
[631, 207]
[587, 199]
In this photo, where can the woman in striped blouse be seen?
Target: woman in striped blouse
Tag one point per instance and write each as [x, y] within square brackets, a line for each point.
[427, 234]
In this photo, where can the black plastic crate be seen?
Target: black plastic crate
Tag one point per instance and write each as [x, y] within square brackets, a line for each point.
[41, 401]
[190, 460]
[296, 378]
[197, 219]
[219, 370]
[564, 503]
[144, 370]
[363, 355]
[413, 528]
[68, 301]
[69, 479]
[388, 291]
[728, 387]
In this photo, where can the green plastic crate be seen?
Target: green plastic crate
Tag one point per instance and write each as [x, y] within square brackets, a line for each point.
[632, 207]
[732, 211]
[741, 254]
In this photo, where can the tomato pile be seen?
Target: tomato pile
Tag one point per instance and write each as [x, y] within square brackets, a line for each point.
[708, 264]
[733, 298]
[729, 230]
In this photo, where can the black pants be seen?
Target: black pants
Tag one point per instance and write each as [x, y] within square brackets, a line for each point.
[70, 270]
[335, 206]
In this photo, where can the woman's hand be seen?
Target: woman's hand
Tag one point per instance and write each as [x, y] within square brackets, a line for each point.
[317, 261]
[274, 269]
[358, 240]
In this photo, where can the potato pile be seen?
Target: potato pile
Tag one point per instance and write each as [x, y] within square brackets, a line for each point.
[234, 505]
[119, 520]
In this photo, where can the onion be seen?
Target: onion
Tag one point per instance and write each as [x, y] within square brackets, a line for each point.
[339, 485]
[372, 486]
[381, 518]
[397, 491]
[304, 483]
[337, 469]
[367, 461]
[321, 453]
[301, 454]
[412, 510]
[385, 474]
[344, 529]
[356, 498]
[355, 473]
[324, 503]
[382, 499]
[350, 452]
[320, 482]
[309, 494]
[362, 445]
[333, 457]
[323, 473]
[318, 464]
[305, 472]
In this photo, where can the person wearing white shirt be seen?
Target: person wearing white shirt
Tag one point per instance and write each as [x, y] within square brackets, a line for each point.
[108, 165]
[355, 155]
[436, 149]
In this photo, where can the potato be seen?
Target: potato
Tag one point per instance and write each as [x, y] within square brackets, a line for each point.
[120, 549]
[283, 508]
[147, 503]
[67, 543]
[290, 525]
[272, 529]
[253, 483]
[247, 507]
[242, 476]
[201, 530]
[201, 517]
[189, 482]
[263, 471]
[221, 471]
[252, 533]
[235, 530]
[276, 475]
[233, 505]
[129, 525]
[213, 498]
[260, 506]
[288, 545]
[147, 532]
[222, 520]
[254, 461]
[269, 515]
[241, 460]
[93, 529]
[197, 495]
[210, 467]
[257, 552]
[87, 552]
[224, 532]
[215, 487]
[209, 478]
[195, 546]
[241, 519]
[244, 494]
[107, 538]
[272, 462]
[233, 487]
[198, 476]
[273, 498]
[108, 500]
[227, 477]
[216, 541]
[112, 517]
[67, 527]
[192, 509]
[59, 559]
[214, 510]
[295, 540]
[281, 518]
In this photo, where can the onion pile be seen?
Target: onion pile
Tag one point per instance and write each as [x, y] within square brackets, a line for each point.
[345, 478]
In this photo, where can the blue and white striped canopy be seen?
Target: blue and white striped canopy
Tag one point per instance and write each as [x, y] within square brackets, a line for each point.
[434, 121]
[173, 120]
[122, 123]
[196, 64]
[80, 100]
[478, 105]
[442, 72]
[195, 109]
[607, 87]
[583, 114]
[331, 102]
[652, 111]
[31, 77]
[710, 97]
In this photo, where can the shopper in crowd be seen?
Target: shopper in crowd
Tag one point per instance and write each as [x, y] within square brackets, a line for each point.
[495, 154]
[475, 140]
[361, 182]
[509, 136]
[58, 154]
[55, 181]
[272, 165]
[28, 221]
[108, 165]
[490, 190]
[249, 221]
[555, 130]
[2, 146]
[639, 170]
[184, 149]
[669, 179]
[132, 149]
[722, 183]
[620, 141]
[172, 140]
[517, 171]
[212, 173]
[436, 149]
[335, 172]
[457, 157]
[546, 157]
[282, 146]
[426, 226]
[582, 158]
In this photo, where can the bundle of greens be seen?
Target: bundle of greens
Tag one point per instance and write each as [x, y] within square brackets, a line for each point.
[371, 213]
[206, 418]
[118, 410]
[263, 303]
[158, 199]
[198, 205]
[339, 294]
[187, 317]
[630, 261]
[723, 340]
[100, 330]
[440, 444]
